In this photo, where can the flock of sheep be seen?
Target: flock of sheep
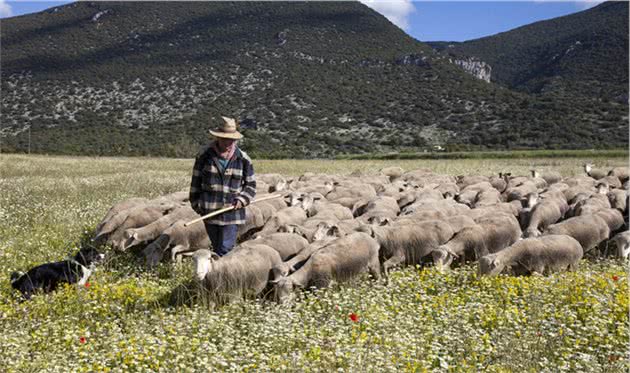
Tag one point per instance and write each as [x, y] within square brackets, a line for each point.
[333, 228]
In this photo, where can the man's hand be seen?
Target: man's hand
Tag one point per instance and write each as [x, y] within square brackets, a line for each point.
[237, 204]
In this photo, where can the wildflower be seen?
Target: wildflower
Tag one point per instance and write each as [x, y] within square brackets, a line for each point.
[615, 278]
[354, 317]
[82, 340]
[87, 284]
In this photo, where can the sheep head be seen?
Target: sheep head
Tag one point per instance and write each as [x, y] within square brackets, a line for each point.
[490, 265]
[324, 230]
[202, 262]
[284, 289]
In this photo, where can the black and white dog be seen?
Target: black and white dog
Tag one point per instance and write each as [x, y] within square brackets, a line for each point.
[47, 277]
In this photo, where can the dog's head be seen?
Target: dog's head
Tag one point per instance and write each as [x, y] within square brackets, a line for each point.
[88, 256]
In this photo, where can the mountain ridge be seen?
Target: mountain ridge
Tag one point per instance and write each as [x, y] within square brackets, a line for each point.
[304, 79]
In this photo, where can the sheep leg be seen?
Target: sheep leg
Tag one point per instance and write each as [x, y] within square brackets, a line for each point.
[392, 262]
[374, 267]
[177, 250]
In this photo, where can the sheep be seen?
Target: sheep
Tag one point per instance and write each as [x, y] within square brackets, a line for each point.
[618, 199]
[291, 265]
[115, 221]
[525, 214]
[498, 183]
[518, 193]
[392, 172]
[340, 261]
[508, 208]
[550, 177]
[118, 208]
[243, 272]
[540, 255]
[622, 241]
[254, 221]
[588, 230]
[546, 212]
[593, 172]
[271, 179]
[465, 181]
[180, 239]
[468, 195]
[622, 173]
[489, 235]
[500, 230]
[459, 222]
[136, 236]
[448, 207]
[448, 190]
[316, 232]
[328, 210]
[467, 244]
[487, 197]
[591, 205]
[409, 243]
[136, 217]
[611, 181]
[381, 206]
[356, 191]
[286, 244]
[612, 217]
[289, 215]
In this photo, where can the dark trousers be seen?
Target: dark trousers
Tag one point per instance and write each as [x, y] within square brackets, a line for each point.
[222, 237]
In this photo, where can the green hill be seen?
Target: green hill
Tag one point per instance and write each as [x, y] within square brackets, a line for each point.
[582, 54]
[305, 79]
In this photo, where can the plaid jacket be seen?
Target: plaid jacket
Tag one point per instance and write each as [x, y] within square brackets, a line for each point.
[211, 190]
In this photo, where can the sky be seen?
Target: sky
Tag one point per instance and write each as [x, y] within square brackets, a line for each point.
[437, 20]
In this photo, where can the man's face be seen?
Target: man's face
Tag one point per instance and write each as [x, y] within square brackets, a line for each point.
[223, 144]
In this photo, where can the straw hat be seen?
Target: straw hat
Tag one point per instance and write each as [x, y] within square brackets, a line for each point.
[227, 130]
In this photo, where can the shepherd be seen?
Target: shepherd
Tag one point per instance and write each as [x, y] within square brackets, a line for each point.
[223, 176]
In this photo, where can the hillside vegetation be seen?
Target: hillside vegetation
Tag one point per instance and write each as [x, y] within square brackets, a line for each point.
[306, 79]
[581, 54]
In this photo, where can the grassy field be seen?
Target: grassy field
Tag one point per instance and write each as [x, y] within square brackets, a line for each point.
[421, 321]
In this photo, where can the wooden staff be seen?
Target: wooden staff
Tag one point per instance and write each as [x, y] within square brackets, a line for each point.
[226, 209]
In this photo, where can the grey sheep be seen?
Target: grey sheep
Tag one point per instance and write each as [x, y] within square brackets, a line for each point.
[622, 241]
[286, 244]
[179, 239]
[409, 243]
[622, 173]
[339, 261]
[618, 199]
[136, 217]
[540, 255]
[546, 212]
[594, 172]
[490, 234]
[137, 236]
[118, 208]
[588, 230]
[244, 272]
[291, 265]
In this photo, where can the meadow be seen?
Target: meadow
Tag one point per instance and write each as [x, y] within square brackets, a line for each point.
[422, 320]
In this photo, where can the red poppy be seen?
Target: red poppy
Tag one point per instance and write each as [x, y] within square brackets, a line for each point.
[82, 340]
[354, 317]
[615, 278]
[87, 284]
